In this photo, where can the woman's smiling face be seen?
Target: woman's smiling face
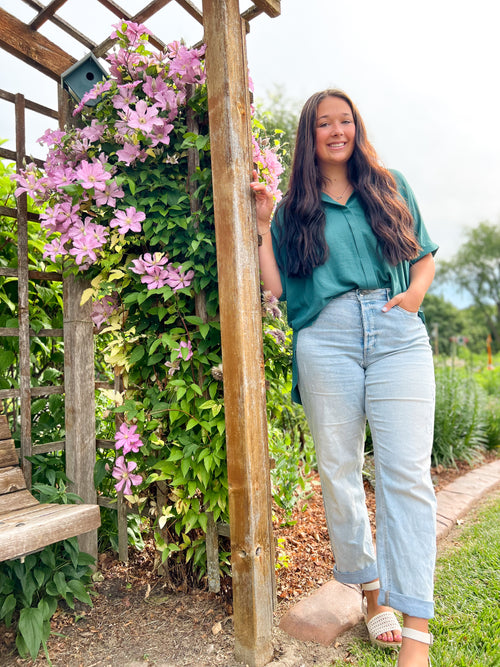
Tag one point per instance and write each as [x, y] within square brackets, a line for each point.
[335, 132]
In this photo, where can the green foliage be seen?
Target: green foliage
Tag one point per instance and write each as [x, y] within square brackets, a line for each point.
[447, 322]
[476, 270]
[460, 421]
[45, 299]
[279, 116]
[30, 591]
[488, 377]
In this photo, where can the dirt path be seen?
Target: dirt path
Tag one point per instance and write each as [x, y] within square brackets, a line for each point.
[137, 622]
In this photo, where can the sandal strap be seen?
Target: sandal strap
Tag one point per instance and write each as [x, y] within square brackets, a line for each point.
[386, 621]
[371, 586]
[417, 635]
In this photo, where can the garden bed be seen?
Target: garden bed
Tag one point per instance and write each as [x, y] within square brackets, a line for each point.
[138, 620]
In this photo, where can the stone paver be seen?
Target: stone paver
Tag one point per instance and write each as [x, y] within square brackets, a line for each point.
[329, 611]
[457, 498]
[335, 607]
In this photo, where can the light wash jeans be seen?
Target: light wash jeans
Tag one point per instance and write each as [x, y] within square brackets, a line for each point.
[357, 362]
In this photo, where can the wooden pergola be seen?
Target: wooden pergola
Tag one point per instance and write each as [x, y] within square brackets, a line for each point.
[224, 28]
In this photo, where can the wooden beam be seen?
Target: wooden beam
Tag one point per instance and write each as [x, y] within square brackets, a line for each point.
[241, 331]
[46, 14]
[32, 48]
[271, 7]
[34, 106]
[63, 25]
[191, 9]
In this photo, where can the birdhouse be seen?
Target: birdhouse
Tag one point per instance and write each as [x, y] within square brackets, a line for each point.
[82, 77]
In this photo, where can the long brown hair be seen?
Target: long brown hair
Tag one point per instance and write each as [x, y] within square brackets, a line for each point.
[302, 216]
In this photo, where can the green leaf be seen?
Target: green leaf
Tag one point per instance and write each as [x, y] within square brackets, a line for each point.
[8, 607]
[203, 520]
[60, 583]
[30, 627]
[137, 354]
[79, 591]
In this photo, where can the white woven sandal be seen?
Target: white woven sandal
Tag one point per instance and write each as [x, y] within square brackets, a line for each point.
[386, 621]
[417, 635]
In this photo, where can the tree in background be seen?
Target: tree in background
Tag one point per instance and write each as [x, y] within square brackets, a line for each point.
[446, 322]
[476, 269]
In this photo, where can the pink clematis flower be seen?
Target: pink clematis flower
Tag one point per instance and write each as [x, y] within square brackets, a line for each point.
[123, 472]
[129, 153]
[155, 278]
[51, 137]
[133, 31]
[128, 439]
[60, 176]
[147, 263]
[185, 345]
[92, 175]
[94, 131]
[102, 309]
[60, 217]
[125, 96]
[144, 117]
[111, 193]
[128, 220]
[54, 248]
[177, 279]
[82, 252]
[160, 133]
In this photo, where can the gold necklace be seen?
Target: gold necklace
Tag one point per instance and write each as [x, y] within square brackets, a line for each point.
[341, 195]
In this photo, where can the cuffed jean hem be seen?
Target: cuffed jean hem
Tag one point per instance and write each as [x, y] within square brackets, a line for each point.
[406, 604]
[358, 577]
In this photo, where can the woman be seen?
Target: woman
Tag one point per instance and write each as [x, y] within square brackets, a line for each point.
[349, 252]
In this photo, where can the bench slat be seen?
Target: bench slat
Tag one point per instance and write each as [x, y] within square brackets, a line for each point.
[8, 454]
[11, 479]
[25, 524]
[4, 428]
[32, 529]
[17, 500]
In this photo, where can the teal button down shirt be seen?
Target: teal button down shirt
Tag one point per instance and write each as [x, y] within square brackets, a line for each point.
[354, 262]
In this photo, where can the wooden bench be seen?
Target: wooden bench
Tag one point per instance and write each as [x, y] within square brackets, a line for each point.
[27, 525]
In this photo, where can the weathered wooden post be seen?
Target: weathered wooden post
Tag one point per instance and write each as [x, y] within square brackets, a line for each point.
[241, 326]
[23, 297]
[79, 399]
[79, 383]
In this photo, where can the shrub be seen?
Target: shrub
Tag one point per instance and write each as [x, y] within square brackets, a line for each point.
[31, 589]
[460, 422]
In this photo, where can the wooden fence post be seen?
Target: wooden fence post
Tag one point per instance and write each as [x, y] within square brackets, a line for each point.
[23, 297]
[241, 331]
[79, 385]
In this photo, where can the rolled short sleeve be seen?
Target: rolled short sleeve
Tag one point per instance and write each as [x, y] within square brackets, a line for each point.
[426, 243]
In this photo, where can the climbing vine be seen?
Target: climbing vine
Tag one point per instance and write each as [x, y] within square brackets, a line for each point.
[119, 208]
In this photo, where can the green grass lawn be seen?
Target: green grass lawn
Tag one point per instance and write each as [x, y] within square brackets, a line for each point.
[467, 624]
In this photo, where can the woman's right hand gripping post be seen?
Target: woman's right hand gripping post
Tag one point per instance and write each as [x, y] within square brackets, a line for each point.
[264, 204]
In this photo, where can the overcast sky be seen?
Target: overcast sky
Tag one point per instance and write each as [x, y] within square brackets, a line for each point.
[424, 76]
